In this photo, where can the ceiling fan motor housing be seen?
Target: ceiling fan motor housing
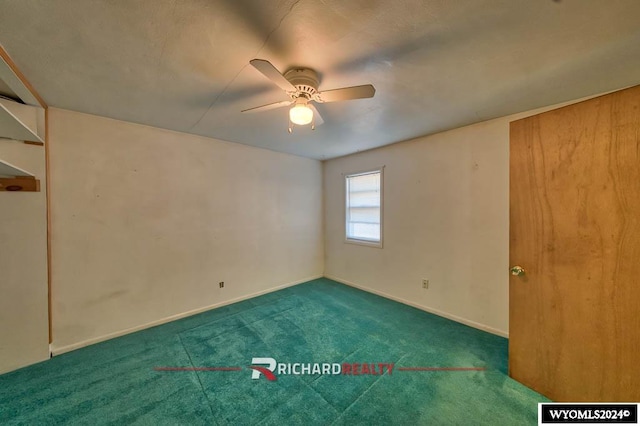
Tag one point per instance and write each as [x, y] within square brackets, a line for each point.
[305, 80]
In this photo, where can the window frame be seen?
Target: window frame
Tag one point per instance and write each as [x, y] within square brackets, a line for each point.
[361, 242]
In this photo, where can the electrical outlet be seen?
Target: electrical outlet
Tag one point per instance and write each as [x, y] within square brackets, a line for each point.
[221, 284]
[425, 284]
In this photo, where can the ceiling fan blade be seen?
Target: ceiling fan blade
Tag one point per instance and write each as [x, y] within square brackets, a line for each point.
[317, 118]
[267, 107]
[272, 73]
[347, 93]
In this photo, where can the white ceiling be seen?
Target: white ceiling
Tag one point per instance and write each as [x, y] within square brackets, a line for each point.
[436, 64]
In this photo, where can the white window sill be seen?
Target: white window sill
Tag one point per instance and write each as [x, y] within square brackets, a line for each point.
[376, 244]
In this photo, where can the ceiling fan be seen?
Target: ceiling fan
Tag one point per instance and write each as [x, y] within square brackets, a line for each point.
[301, 85]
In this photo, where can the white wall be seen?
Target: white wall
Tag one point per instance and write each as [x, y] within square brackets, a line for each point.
[446, 219]
[146, 222]
[24, 332]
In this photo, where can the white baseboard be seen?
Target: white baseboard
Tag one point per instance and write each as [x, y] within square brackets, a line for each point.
[452, 317]
[62, 349]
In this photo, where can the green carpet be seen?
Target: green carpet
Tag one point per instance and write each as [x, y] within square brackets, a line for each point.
[118, 381]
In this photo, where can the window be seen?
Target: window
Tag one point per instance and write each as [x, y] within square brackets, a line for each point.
[364, 207]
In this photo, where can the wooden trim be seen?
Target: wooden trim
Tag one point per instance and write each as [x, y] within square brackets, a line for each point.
[7, 59]
[48, 208]
[5, 56]
[20, 184]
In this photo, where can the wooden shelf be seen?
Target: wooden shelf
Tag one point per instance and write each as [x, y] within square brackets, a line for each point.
[9, 170]
[14, 79]
[20, 122]
[13, 178]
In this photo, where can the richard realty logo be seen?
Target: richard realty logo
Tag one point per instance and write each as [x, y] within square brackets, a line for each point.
[270, 368]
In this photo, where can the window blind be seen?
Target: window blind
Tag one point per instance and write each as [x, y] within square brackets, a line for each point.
[363, 206]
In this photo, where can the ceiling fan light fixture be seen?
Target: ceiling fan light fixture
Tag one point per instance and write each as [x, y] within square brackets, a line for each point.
[301, 114]
[301, 86]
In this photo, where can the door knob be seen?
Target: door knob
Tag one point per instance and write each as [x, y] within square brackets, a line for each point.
[517, 270]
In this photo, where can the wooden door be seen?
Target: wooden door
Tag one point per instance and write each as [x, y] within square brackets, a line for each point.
[574, 332]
